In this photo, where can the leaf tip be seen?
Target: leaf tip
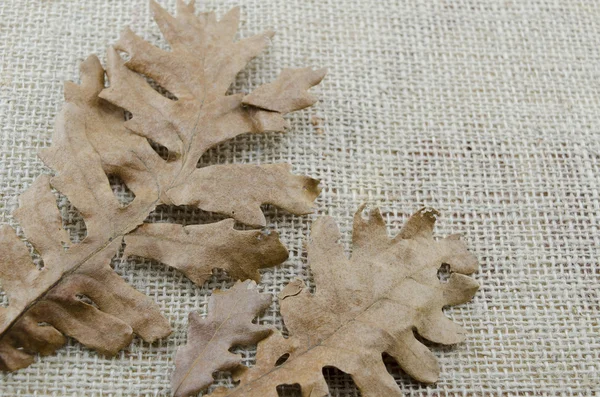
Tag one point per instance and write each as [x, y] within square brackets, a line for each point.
[293, 288]
[154, 6]
[420, 224]
[269, 34]
[318, 76]
[233, 13]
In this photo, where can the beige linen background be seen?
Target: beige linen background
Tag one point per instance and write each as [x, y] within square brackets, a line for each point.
[488, 111]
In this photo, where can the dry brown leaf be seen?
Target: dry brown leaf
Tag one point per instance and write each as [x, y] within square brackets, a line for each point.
[200, 68]
[76, 293]
[196, 250]
[371, 304]
[229, 324]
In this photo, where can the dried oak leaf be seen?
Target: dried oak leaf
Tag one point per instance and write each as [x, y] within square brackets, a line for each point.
[371, 304]
[229, 324]
[200, 68]
[76, 293]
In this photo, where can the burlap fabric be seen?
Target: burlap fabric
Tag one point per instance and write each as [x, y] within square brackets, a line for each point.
[488, 111]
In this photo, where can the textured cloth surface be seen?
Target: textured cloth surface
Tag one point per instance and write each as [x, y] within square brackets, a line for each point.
[488, 111]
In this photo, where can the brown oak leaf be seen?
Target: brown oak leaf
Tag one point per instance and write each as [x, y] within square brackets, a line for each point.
[200, 68]
[373, 303]
[229, 324]
[76, 293]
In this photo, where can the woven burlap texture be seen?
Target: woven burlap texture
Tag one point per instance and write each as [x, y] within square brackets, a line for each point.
[488, 111]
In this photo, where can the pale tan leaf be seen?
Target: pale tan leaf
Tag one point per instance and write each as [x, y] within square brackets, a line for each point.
[229, 324]
[370, 304]
[76, 293]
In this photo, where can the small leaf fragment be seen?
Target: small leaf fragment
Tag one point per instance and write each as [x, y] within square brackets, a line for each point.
[229, 324]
